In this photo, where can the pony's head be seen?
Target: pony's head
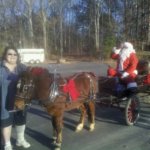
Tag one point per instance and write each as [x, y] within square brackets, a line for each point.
[26, 87]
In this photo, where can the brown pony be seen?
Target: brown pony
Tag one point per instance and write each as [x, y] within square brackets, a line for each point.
[58, 95]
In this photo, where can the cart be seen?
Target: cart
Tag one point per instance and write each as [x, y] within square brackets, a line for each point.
[110, 96]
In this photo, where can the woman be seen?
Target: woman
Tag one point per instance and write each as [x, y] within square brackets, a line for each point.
[10, 68]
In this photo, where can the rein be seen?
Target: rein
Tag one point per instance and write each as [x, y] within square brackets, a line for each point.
[26, 89]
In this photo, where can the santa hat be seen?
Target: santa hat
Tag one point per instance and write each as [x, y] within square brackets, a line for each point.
[128, 45]
[127, 49]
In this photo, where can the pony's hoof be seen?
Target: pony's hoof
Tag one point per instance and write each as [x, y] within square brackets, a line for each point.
[57, 148]
[92, 127]
[57, 144]
[79, 127]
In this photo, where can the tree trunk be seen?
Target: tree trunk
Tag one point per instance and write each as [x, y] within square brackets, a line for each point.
[31, 35]
[148, 40]
[44, 21]
[97, 29]
[61, 30]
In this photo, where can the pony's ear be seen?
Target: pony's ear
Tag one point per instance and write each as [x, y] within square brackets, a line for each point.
[109, 66]
[29, 68]
[38, 71]
[26, 72]
[22, 74]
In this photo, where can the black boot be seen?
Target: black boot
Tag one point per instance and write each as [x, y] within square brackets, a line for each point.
[131, 91]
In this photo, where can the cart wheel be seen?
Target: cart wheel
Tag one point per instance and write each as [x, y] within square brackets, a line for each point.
[132, 110]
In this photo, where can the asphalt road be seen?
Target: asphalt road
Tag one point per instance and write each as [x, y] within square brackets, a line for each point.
[111, 132]
[67, 69]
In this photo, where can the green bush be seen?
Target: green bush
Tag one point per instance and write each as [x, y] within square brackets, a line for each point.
[143, 55]
[1, 50]
[109, 43]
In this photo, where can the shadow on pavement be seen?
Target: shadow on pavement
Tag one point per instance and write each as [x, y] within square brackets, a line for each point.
[40, 138]
[40, 113]
[144, 120]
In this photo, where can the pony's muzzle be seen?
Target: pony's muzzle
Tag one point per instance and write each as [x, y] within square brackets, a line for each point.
[19, 104]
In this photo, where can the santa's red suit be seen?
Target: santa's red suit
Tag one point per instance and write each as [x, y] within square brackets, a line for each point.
[126, 64]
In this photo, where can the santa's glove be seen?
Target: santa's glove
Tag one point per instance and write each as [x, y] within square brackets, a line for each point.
[115, 50]
[124, 75]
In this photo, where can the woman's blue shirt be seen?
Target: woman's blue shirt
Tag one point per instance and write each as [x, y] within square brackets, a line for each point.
[8, 83]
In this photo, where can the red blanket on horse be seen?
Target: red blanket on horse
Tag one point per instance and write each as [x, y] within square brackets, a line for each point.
[70, 88]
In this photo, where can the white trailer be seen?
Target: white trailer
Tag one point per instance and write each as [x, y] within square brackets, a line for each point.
[32, 55]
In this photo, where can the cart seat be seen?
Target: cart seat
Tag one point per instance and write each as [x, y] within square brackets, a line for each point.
[143, 67]
[112, 87]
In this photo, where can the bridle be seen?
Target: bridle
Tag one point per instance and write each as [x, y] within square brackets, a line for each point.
[24, 91]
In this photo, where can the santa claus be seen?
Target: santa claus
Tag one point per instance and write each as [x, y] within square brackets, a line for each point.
[126, 64]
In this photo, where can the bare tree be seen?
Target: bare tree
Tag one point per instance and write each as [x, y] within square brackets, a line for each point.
[30, 24]
[44, 22]
[148, 22]
[97, 25]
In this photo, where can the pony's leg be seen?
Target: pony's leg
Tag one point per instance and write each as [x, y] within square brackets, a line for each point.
[54, 129]
[57, 122]
[82, 118]
[91, 115]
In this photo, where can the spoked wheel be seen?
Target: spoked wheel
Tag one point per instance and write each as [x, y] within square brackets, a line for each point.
[132, 110]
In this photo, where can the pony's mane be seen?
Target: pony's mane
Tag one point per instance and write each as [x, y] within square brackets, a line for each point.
[80, 73]
[38, 70]
[92, 74]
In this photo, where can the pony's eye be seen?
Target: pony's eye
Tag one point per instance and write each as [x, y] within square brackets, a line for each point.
[31, 82]
[25, 88]
[19, 84]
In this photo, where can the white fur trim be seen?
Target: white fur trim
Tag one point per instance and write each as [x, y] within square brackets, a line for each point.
[127, 45]
[132, 84]
[135, 71]
[115, 50]
[125, 74]
[125, 53]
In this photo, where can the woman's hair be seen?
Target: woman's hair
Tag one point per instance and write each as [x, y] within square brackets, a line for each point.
[7, 49]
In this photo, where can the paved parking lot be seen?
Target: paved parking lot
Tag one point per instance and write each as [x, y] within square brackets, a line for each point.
[110, 132]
